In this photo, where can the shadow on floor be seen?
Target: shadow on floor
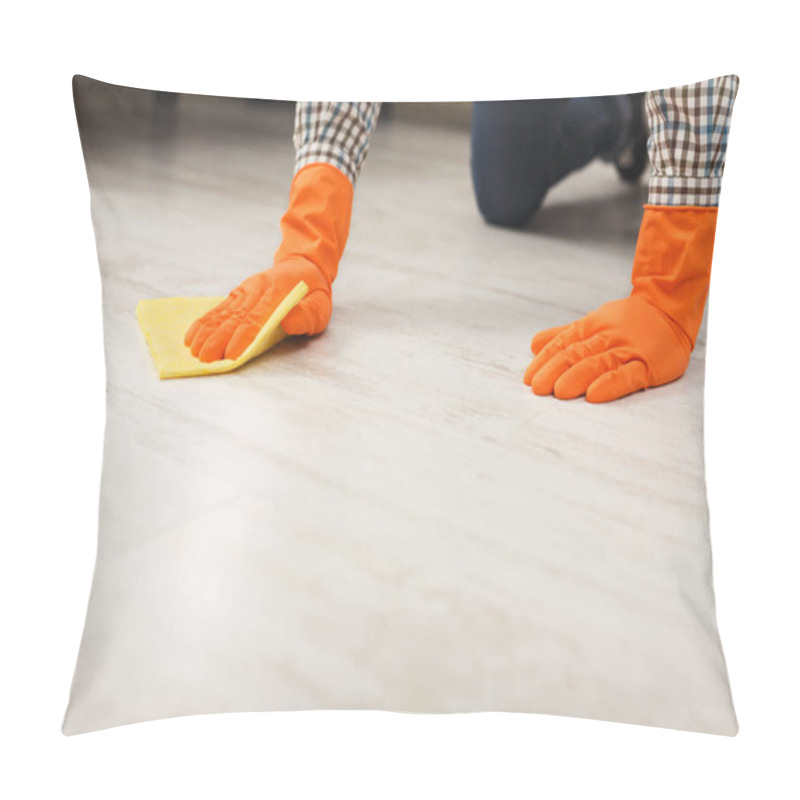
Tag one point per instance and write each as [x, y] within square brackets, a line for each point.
[598, 219]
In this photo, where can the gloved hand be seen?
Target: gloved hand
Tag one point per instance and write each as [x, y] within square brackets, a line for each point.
[314, 230]
[645, 339]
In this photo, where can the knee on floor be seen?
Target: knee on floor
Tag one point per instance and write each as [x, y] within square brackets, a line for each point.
[503, 209]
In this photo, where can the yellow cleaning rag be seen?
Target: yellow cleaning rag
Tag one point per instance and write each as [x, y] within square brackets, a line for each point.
[165, 320]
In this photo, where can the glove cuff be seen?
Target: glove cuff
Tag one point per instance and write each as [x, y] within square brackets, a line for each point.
[672, 264]
[317, 222]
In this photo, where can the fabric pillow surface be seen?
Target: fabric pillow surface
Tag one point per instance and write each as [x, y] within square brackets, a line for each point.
[382, 516]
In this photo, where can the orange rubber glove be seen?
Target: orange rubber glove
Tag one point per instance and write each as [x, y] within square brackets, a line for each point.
[314, 229]
[645, 339]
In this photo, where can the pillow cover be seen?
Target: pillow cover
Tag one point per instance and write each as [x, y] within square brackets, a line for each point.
[404, 504]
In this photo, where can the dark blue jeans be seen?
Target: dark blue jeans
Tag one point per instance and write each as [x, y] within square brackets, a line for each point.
[521, 148]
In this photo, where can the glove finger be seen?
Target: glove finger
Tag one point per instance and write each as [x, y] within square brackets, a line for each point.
[544, 381]
[192, 330]
[218, 309]
[220, 330]
[626, 379]
[543, 337]
[217, 338]
[548, 379]
[202, 328]
[310, 316]
[569, 335]
[576, 380]
[252, 323]
[241, 338]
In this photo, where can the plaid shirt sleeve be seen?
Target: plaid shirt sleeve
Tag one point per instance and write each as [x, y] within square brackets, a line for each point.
[334, 133]
[688, 139]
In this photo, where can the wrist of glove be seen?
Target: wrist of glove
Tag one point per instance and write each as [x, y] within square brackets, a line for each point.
[314, 229]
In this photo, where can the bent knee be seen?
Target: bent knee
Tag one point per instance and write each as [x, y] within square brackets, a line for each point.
[500, 206]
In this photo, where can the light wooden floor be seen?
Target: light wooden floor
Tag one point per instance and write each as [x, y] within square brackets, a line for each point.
[384, 516]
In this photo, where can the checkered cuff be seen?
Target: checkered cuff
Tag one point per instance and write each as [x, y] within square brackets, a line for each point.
[688, 140]
[666, 190]
[321, 153]
[334, 133]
